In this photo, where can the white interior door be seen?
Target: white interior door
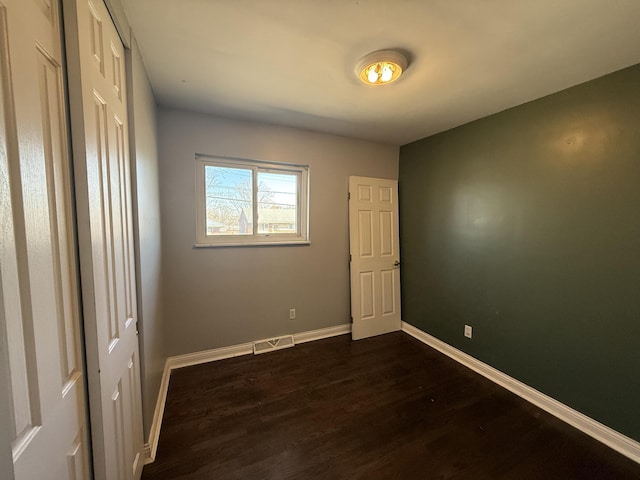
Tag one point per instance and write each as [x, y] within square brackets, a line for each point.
[39, 309]
[375, 256]
[103, 199]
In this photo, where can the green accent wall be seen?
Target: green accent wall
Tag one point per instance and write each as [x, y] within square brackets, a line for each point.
[526, 226]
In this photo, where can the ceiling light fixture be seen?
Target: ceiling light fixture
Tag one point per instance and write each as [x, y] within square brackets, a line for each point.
[381, 67]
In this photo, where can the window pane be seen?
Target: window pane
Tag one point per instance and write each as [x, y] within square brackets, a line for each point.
[247, 202]
[277, 203]
[229, 200]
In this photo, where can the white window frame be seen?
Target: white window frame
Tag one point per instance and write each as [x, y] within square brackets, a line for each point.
[299, 238]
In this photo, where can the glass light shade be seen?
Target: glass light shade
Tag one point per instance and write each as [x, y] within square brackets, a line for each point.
[381, 67]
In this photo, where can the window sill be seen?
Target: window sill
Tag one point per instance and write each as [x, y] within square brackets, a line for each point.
[284, 243]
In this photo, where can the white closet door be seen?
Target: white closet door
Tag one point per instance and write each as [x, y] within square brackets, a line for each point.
[39, 309]
[103, 197]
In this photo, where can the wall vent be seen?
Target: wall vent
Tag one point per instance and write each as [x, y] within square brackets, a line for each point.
[278, 343]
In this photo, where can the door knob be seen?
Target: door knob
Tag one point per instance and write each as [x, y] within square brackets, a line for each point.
[396, 263]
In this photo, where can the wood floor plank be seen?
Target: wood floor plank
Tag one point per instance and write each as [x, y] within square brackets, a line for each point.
[388, 407]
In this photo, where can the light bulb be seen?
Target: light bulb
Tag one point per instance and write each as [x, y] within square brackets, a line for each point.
[372, 75]
[387, 73]
[381, 67]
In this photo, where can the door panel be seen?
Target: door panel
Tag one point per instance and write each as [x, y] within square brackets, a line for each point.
[103, 199]
[386, 234]
[388, 291]
[367, 295]
[375, 259]
[365, 234]
[39, 307]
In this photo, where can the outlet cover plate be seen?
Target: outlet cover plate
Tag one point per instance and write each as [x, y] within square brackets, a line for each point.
[468, 331]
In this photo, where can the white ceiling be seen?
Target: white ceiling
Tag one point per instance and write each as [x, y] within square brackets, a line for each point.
[291, 62]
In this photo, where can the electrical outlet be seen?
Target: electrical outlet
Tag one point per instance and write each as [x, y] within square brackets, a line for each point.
[468, 331]
[292, 314]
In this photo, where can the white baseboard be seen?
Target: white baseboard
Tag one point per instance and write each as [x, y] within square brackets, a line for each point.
[619, 442]
[151, 447]
[313, 335]
[206, 356]
[212, 355]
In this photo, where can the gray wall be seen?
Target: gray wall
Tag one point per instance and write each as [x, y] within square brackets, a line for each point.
[526, 225]
[216, 297]
[146, 196]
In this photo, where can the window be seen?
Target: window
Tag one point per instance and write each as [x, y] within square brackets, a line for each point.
[247, 202]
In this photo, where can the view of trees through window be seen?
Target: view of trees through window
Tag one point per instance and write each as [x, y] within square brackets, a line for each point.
[230, 208]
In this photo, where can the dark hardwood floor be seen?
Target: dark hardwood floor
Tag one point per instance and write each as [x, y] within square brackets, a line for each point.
[382, 408]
